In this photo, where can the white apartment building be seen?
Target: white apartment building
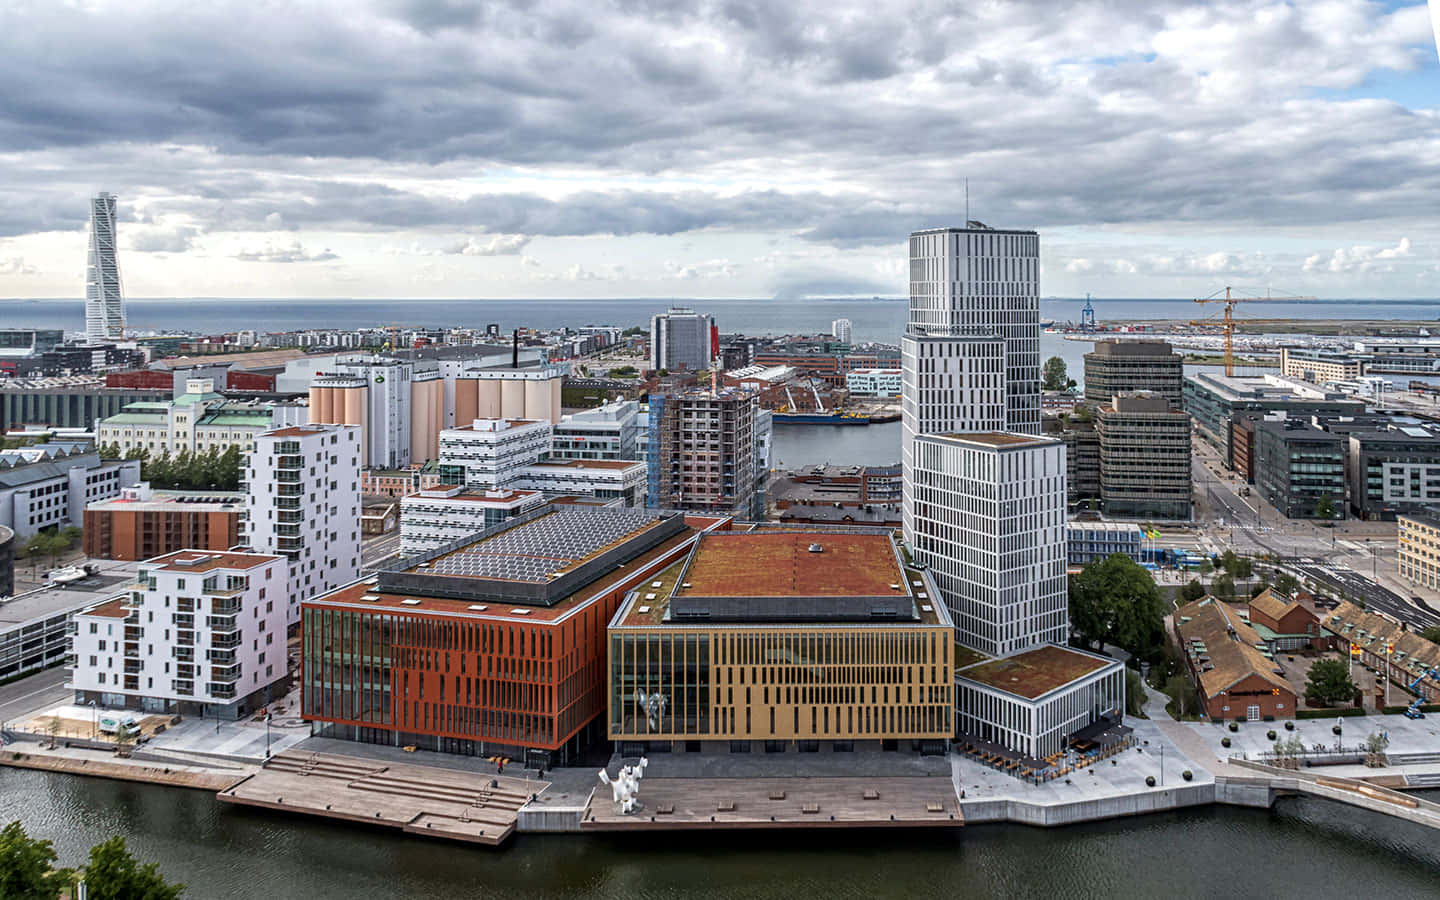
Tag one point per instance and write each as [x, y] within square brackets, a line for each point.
[49, 485]
[302, 487]
[430, 519]
[198, 633]
[197, 421]
[840, 330]
[620, 480]
[990, 525]
[874, 382]
[489, 453]
[611, 431]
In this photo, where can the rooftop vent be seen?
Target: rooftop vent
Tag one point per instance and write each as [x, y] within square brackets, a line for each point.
[649, 596]
[519, 612]
[644, 609]
[816, 548]
[656, 583]
[192, 561]
[370, 598]
[477, 607]
[410, 601]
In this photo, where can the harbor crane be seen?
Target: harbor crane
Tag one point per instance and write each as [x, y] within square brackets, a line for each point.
[1230, 300]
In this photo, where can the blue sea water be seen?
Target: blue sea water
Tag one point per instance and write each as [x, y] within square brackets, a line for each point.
[872, 320]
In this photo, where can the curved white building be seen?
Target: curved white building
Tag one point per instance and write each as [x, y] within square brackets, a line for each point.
[104, 302]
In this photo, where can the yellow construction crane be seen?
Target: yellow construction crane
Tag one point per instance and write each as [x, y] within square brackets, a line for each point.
[1230, 300]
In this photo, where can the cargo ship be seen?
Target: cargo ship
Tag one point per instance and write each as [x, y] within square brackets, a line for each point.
[820, 418]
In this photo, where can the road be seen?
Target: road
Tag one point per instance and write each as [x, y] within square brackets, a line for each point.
[378, 551]
[36, 692]
[1376, 597]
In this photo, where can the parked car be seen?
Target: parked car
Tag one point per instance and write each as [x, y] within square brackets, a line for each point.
[114, 724]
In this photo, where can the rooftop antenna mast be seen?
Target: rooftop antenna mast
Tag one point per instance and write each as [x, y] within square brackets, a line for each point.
[967, 203]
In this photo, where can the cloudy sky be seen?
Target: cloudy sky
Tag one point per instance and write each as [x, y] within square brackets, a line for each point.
[730, 148]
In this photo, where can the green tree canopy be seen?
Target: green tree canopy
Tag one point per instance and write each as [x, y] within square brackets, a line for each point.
[113, 874]
[27, 866]
[1329, 682]
[1054, 376]
[1223, 587]
[1431, 634]
[1325, 507]
[1193, 590]
[1114, 601]
[1287, 584]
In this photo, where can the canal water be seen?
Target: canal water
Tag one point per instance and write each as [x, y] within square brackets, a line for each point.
[1303, 848]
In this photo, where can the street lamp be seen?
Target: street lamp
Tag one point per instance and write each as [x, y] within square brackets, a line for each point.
[94, 721]
[267, 734]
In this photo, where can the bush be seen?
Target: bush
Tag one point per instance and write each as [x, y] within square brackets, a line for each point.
[1328, 713]
[1335, 729]
[1149, 780]
[1270, 735]
[1224, 742]
[1187, 775]
[1234, 726]
[1289, 726]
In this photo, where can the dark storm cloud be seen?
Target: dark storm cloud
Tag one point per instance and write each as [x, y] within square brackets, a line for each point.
[1064, 112]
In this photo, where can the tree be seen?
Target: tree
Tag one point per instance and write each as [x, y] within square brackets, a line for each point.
[1054, 376]
[54, 726]
[1192, 591]
[1134, 693]
[27, 866]
[1287, 584]
[1432, 634]
[1114, 601]
[1329, 682]
[1223, 587]
[1325, 507]
[113, 874]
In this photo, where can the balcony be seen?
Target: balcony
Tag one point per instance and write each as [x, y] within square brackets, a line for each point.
[287, 503]
[221, 624]
[226, 607]
[185, 638]
[295, 490]
[226, 642]
[287, 477]
[225, 674]
[132, 683]
[290, 543]
[290, 517]
[184, 621]
[133, 667]
[220, 657]
[221, 691]
[132, 648]
[290, 462]
[185, 670]
[183, 687]
[134, 633]
[183, 654]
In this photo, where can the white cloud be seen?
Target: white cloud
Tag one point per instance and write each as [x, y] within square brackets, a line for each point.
[295, 252]
[15, 265]
[497, 245]
[1357, 259]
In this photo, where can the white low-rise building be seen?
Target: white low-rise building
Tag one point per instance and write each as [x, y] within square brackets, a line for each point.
[197, 421]
[302, 488]
[489, 453]
[199, 633]
[432, 518]
[49, 485]
[874, 382]
[621, 480]
[605, 432]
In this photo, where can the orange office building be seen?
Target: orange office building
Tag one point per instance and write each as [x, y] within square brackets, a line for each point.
[493, 644]
[143, 524]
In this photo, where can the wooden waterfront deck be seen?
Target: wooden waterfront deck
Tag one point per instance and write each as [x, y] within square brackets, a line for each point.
[742, 803]
[438, 802]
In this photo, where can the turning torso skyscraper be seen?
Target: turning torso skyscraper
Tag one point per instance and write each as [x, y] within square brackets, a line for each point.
[104, 303]
[971, 351]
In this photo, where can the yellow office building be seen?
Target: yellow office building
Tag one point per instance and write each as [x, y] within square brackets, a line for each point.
[783, 640]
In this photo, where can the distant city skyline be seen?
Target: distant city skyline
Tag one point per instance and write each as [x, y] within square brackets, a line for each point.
[735, 150]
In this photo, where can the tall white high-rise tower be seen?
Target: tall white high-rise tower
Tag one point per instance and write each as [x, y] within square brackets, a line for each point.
[840, 330]
[971, 351]
[104, 302]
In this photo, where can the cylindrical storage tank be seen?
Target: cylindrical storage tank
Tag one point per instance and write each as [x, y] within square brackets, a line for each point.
[555, 399]
[512, 399]
[350, 405]
[317, 404]
[437, 418]
[537, 401]
[487, 405]
[467, 401]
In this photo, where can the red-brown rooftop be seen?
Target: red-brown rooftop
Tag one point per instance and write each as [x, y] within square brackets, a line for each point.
[781, 564]
[1034, 672]
[998, 438]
